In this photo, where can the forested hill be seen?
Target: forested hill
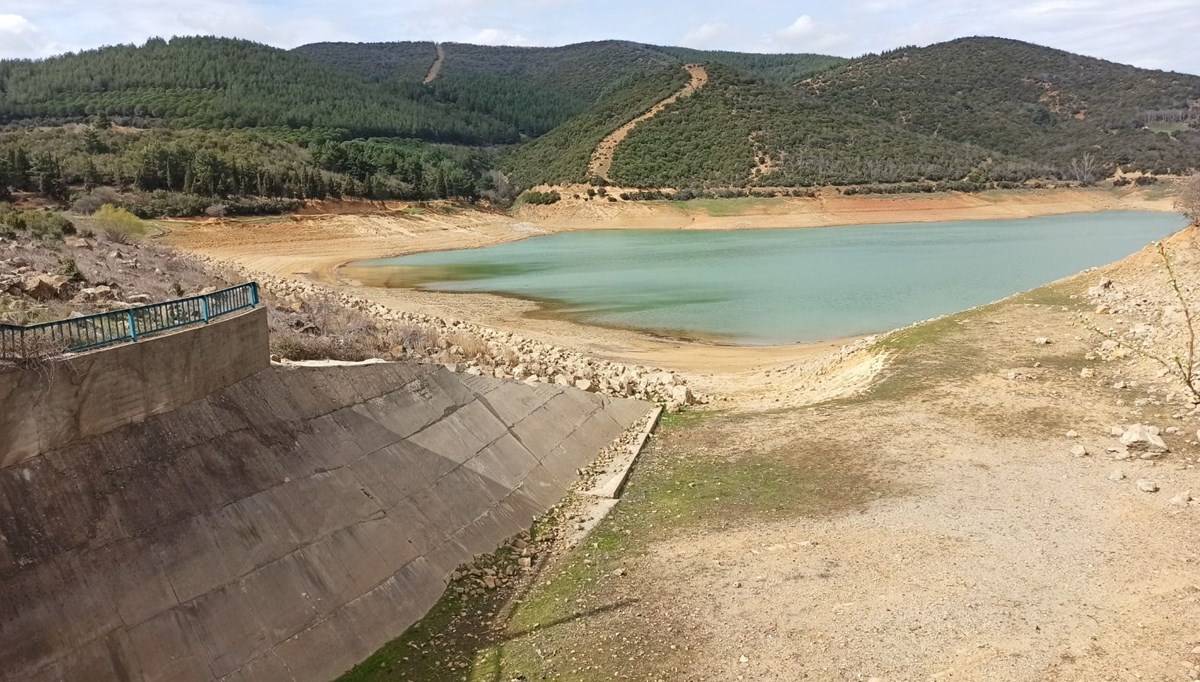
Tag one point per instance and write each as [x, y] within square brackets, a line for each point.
[1026, 100]
[218, 124]
[740, 130]
[224, 83]
[539, 88]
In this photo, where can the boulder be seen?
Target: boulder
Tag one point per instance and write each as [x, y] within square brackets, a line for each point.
[682, 395]
[1147, 486]
[1142, 438]
[45, 287]
[97, 293]
[139, 299]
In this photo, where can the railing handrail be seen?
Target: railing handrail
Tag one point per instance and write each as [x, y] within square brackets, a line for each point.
[127, 325]
[133, 309]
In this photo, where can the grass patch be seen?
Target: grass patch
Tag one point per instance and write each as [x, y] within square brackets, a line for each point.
[938, 350]
[923, 355]
[1057, 295]
[733, 206]
[433, 648]
[1169, 128]
[669, 421]
[261, 219]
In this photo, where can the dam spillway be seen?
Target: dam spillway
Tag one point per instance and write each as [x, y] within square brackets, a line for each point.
[181, 509]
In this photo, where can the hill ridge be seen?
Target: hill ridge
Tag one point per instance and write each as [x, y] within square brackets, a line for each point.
[420, 120]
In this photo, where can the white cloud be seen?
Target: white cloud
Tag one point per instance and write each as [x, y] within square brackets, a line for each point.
[19, 37]
[706, 35]
[810, 35]
[499, 36]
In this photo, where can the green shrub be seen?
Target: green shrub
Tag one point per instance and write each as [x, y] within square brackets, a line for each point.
[541, 198]
[68, 268]
[48, 224]
[90, 202]
[118, 224]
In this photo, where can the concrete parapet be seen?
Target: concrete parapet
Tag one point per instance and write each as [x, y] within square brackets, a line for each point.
[89, 394]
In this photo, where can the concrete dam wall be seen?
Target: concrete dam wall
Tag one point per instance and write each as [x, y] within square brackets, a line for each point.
[281, 526]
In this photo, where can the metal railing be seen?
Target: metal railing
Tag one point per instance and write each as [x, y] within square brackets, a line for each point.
[119, 326]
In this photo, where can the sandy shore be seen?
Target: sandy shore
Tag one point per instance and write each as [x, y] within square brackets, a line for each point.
[319, 242]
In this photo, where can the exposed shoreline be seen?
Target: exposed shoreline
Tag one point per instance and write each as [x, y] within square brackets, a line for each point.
[317, 246]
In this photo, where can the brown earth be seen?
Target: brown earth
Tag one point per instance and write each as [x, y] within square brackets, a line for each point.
[435, 69]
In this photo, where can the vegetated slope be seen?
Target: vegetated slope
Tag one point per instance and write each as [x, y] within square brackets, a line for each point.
[583, 71]
[1024, 99]
[221, 83]
[601, 161]
[378, 62]
[739, 123]
[538, 88]
[562, 155]
[775, 68]
[533, 88]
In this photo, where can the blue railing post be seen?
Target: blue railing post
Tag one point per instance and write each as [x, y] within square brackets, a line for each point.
[253, 294]
[204, 308]
[132, 325]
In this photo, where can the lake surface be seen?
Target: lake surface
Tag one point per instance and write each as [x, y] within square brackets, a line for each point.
[783, 285]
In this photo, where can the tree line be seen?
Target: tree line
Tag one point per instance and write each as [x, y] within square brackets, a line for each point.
[62, 164]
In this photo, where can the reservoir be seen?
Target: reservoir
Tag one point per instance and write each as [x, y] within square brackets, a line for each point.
[774, 286]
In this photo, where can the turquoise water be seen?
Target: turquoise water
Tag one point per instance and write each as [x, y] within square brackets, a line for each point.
[784, 286]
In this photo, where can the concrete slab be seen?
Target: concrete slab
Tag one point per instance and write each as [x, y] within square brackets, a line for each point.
[280, 528]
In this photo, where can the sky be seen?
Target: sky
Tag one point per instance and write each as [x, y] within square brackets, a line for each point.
[1158, 34]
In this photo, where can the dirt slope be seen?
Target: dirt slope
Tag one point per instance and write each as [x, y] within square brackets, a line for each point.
[436, 67]
[602, 158]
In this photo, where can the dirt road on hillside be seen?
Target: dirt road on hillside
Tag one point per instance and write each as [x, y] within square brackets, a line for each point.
[602, 158]
[435, 69]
